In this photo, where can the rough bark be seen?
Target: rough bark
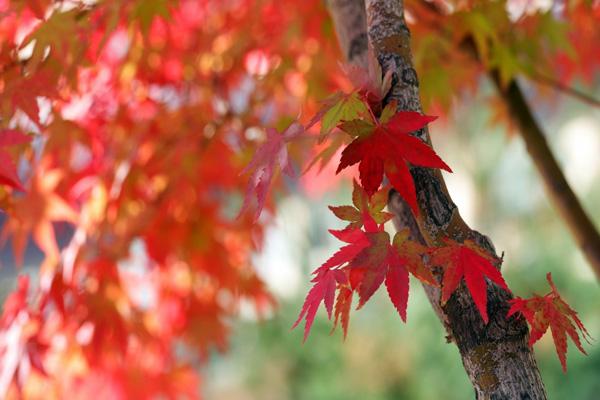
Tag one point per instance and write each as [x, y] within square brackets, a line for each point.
[496, 356]
[349, 19]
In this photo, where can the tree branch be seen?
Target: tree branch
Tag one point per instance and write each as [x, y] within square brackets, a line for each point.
[496, 356]
[557, 187]
[350, 23]
[346, 14]
[571, 91]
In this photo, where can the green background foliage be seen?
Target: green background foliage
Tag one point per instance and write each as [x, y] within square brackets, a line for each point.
[500, 194]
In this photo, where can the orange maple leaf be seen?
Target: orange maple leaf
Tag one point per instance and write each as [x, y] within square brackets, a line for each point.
[34, 213]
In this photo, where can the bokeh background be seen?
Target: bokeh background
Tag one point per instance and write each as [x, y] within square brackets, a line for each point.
[500, 194]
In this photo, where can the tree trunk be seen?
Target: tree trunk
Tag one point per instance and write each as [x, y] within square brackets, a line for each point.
[496, 356]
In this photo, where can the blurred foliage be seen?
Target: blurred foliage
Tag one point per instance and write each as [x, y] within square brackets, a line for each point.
[385, 359]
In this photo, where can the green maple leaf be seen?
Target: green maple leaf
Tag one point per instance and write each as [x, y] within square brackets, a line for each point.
[362, 205]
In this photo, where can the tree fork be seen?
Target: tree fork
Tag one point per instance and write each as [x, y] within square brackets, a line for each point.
[496, 356]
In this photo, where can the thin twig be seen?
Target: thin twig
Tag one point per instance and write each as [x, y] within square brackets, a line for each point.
[561, 87]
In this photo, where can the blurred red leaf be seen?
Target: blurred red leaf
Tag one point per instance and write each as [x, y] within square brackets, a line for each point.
[8, 171]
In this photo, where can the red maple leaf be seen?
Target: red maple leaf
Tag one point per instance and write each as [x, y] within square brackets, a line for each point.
[551, 311]
[357, 240]
[468, 261]
[22, 92]
[380, 262]
[35, 212]
[8, 171]
[397, 283]
[363, 265]
[269, 155]
[20, 346]
[326, 277]
[385, 147]
[16, 301]
[343, 303]
[322, 291]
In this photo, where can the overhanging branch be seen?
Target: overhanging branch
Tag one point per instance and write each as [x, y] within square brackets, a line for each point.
[566, 202]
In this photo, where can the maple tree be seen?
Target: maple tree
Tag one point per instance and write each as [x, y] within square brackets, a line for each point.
[137, 123]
